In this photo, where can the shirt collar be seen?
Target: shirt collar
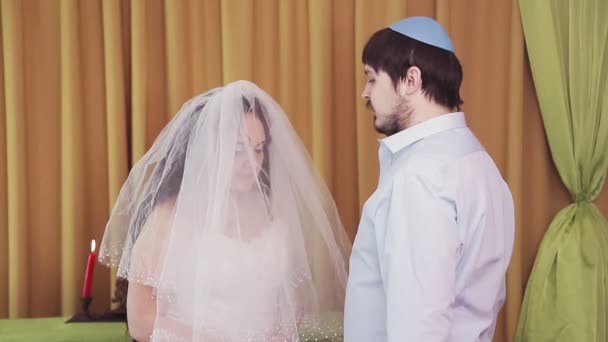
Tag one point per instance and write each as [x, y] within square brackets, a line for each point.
[408, 136]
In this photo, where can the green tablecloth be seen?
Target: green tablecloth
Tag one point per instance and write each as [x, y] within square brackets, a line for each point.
[54, 329]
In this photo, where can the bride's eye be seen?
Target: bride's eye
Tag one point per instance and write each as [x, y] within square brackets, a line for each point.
[259, 148]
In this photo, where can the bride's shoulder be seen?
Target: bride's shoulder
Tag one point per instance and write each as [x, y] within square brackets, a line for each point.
[150, 244]
[156, 227]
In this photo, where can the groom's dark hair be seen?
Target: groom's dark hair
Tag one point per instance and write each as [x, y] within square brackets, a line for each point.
[394, 53]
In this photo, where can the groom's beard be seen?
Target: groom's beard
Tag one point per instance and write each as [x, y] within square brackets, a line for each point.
[392, 123]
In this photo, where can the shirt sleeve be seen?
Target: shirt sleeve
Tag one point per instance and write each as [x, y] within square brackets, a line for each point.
[418, 258]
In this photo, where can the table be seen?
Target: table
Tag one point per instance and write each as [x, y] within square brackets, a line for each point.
[54, 329]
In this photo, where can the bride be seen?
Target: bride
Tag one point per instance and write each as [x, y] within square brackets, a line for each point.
[224, 230]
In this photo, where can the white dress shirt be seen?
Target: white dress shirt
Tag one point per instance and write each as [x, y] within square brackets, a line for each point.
[434, 242]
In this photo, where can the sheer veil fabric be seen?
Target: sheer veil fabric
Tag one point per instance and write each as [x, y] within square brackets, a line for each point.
[229, 226]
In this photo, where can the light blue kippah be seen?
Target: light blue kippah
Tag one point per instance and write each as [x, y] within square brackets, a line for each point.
[426, 30]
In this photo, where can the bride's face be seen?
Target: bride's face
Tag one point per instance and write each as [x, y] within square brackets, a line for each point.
[249, 154]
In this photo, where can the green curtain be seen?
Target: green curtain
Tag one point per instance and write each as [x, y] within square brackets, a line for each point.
[566, 296]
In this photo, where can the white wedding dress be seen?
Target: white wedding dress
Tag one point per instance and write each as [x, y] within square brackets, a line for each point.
[233, 312]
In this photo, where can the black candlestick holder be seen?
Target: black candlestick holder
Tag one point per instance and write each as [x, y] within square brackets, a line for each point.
[86, 317]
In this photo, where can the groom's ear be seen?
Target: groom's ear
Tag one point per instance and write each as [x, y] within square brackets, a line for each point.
[411, 82]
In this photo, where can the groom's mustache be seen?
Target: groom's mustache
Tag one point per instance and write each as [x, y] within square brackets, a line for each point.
[370, 106]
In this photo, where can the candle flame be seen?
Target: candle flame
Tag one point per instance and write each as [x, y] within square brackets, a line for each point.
[92, 245]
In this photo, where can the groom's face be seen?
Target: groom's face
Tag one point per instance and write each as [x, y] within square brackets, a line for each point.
[382, 100]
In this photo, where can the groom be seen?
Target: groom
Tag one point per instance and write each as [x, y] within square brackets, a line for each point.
[435, 238]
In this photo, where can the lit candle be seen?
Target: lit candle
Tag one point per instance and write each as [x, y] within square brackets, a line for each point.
[88, 276]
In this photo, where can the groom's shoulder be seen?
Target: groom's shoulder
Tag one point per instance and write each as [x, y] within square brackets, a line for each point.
[436, 151]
